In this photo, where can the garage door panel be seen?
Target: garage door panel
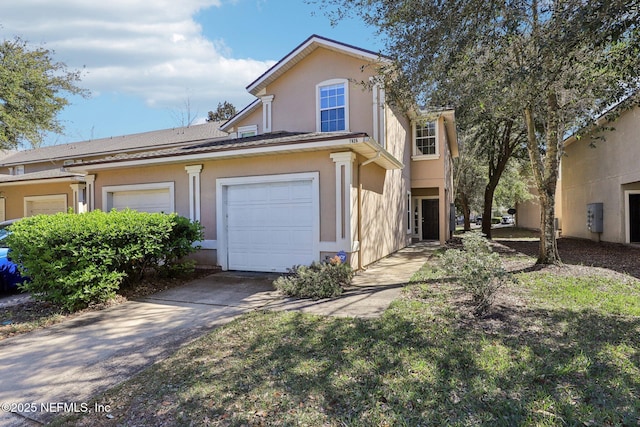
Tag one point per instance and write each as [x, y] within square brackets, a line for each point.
[148, 200]
[270, 226]
[45, 205]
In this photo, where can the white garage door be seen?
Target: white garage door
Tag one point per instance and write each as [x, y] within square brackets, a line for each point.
[45, 205]
[271, 226]
[153, 201]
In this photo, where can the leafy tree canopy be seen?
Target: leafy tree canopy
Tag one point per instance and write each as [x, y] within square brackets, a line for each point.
[224, 112]
[32, 85]
[556, 64]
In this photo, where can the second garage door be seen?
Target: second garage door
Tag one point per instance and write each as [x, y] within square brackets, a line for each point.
[153, 198]
[45, 205]
[271, 226]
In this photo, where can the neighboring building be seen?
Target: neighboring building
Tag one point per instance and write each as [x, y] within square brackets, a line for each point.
[608, 173]
[318, 163]
[599, 187]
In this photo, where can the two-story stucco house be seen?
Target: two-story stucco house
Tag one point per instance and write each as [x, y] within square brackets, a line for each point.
[317, 164]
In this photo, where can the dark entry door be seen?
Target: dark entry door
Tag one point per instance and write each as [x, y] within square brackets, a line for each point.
[430, 219]
[634, 217]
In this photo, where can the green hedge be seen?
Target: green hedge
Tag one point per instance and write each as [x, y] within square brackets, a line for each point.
[76, 260]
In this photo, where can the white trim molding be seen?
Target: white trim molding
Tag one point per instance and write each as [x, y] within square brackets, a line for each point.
[344, 183]
[267, 116]
[194, 191]
[222, 185]
[107, 192]
[90, 180]
[79, 198]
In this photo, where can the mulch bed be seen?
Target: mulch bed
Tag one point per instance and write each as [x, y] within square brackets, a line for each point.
[613, 256]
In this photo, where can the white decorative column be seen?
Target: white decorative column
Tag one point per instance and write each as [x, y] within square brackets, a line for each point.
[79, 200]
[376, 110]
[382, 126]
[266, 113]
[194, 191]
[344, 182]
[90, 181]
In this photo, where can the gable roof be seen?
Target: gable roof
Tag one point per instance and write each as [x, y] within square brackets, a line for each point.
[292, 58]
[304, 49]
[117, 144]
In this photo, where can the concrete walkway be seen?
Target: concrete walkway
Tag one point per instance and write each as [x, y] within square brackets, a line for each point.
[62, 367]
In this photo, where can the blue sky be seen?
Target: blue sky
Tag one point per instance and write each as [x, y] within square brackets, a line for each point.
[157, 67]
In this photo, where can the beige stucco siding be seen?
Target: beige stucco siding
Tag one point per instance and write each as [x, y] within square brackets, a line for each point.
[384, 212]
[14, 196]
[601, 174]
[294, 103]
[228, 168]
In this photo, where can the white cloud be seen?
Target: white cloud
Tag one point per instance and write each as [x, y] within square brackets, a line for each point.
[152, 50]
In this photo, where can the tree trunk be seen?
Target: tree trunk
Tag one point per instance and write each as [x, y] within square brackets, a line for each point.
[548, 249]
[487, 211]
[545, 172]
[464, 201]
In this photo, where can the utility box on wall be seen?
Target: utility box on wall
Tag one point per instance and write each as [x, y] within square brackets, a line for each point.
[594, 217]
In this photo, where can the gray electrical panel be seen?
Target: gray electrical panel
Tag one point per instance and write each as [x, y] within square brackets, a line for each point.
[594, 217]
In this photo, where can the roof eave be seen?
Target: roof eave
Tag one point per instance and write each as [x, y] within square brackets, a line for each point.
[358, 143]
[243, 113]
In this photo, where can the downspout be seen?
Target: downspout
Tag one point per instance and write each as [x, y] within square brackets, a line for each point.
[360, 165]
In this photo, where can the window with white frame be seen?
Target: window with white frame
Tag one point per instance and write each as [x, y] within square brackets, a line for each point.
[245, 131]
[19, 170]
[333, 109]
[426, 143]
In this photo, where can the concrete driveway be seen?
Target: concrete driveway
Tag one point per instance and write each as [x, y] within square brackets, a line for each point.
[70, 362]
[60, 368]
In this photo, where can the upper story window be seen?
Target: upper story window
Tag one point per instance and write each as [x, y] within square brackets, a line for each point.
[425, 139]
[333, 105]
[245, 131]
[19, 170]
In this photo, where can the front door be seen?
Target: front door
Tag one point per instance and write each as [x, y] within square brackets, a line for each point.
[430, 219]
[634, 218]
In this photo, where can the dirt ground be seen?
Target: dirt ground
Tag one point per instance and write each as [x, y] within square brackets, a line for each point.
[613, 256]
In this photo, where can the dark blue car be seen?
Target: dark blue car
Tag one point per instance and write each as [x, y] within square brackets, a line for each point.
[9, 275]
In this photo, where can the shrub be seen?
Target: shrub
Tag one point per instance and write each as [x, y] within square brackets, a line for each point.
[76, 260]
[477, 269]
[319, 280]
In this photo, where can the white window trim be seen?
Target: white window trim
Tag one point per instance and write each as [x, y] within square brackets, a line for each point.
[247, 129]
[416, 155]
[222, 185]
[106, 191]
[28, 199]
[346, 101]
[19, 170]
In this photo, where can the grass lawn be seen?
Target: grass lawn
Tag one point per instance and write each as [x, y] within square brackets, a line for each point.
[557, 349]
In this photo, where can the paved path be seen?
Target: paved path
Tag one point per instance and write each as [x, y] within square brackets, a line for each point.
[69, 363]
